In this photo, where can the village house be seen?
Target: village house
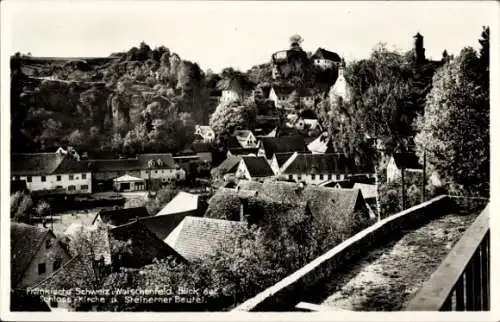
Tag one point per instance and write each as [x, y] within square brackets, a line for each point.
[322, 144]
[227, 167]
[127, 183]
[253, 168]
[325, 59]
[246, 139]
[279, 95]
[317, 168]
[55, 172]
[269, 146]
[154, 169]
[35, 254]
[399, 162]
[204, 133]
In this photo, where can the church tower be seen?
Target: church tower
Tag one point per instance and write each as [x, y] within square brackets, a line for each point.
[340, 88]
[418, 47]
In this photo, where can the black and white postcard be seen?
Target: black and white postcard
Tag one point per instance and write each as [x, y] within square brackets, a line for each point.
[313, 159]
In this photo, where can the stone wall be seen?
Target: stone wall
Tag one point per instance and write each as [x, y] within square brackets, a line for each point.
[284, 295]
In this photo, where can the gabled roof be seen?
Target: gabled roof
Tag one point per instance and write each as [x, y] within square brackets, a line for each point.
[367, 190]
[230, 164]
[197, 237]
[408, 160]
[242, 137]
[74, 273]
[282, 90]
[325, 54]
[163, 225]
[328, 205]
[118, 217]
[34, 163]
[322, 144]
[143, 245]
[25, 241]
[281, 158]
[46, 164]
[310, 163]
[109, 165]
[292, 143]
[258, 167]
[205, 130]
[182, 202]
[127, 178]
[161, 160]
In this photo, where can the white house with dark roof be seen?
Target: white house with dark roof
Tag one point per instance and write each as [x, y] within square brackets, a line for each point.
[317, 168]
[340, 89]
[34, 254]
[52, 172]
[205, 133]
[246, 139]
[253, 167]
[325, 59]
[399, 162]
[279, 95]
[160, 166]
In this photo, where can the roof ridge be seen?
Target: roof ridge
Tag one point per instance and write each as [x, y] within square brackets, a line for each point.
[288, 162]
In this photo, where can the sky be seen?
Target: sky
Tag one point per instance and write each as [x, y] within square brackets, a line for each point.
[241, 34]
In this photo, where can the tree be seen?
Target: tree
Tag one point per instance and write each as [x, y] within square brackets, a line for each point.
[455, 127]
[228, 116]
[163, 196]
[20, 207]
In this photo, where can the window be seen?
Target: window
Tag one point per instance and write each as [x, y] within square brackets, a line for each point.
[299, 177]
[56, 264]
[84, 187]
[313, 177]
[58, 178]
[28, 179]
[156, 171]
[48, 243]
[84, 176]
[71, 177]
[320, 177]
[178, 176]
[41, 268]
[290, 177]
[71, 188]
[44, 178]
[330, 176]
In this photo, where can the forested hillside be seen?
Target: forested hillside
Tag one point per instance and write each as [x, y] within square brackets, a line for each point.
[141, 100]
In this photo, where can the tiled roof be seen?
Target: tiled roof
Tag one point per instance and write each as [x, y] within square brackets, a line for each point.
[182, 202]
[45, 163]
[230, 164]
[322, 144]
[161, 160]
[293, 143]
[109, 165]
[327, 204]
[196, 237]
[282, 90]
[144, 246]
[118, 217]
[25, 241]
[367, 190]
[163, 225]
[325, 54]
[258, 167]
[408, 160]
[310, 163]
[281, 158]
[74, 273]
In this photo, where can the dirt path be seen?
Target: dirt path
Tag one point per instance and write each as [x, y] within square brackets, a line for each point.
[387, 277]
